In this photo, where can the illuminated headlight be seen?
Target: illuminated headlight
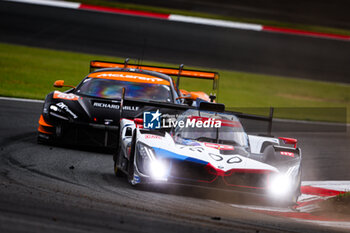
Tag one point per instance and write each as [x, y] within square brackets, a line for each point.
[57, 112]
[158, 170]
[280, 185]
[148, 164]
[53, 108]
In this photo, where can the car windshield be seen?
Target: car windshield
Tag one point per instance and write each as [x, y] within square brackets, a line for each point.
[230, 131]
[112, 89]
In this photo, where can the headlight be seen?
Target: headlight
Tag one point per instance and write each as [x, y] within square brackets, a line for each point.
[59, 108]
[158, 170]
[148, 164]
[54, 108]
[57, 112]
[280, 185]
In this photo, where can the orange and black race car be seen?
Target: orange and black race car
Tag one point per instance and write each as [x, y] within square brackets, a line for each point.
[90, 113]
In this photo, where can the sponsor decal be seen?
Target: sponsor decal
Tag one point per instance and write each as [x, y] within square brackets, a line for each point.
[65, 96]
[114, 106]
[151, 120]
[218, 146]
[106, 105]
[136, 180]
[136, 78]
[286, 153]
[193, 148]
[131, 108]
[234, 159]
[216, 157]
[108, 121]
[151, 136]
[63, 106]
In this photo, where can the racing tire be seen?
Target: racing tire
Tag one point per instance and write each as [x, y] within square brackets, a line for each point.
[117, 171]
[131, 166]
[297, 192]
[116, 158]
[44, 139]
[41, 140]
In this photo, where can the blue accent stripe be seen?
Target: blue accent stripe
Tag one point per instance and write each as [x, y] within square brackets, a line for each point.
[162, 153]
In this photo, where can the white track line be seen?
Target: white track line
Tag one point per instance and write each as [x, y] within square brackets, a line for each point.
[64, 4]
[215, 22]
[190, 19]
[338, 185]
[333, 185]
[337, 224]
[21, 100]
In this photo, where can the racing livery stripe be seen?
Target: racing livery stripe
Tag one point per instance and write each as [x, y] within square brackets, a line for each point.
[65, 96]
[168, 154]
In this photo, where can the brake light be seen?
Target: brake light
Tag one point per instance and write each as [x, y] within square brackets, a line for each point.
[286, 153]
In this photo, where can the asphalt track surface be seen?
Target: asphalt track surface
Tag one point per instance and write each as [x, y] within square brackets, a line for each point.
[312, 12]
[58, 189]
[174, 42]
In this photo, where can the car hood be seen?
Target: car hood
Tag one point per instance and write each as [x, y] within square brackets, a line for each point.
[94, 110]
[222, 157]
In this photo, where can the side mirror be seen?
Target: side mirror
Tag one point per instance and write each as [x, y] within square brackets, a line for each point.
[291, 141]
[212, 98]
[58, 83]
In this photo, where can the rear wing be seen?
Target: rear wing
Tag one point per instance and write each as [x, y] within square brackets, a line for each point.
[267, 119]
[206, 106]
[177, 72]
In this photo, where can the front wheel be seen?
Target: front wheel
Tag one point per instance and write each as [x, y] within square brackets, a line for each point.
[117, 171]
[116, 159]
[131, 167]
[297, 191]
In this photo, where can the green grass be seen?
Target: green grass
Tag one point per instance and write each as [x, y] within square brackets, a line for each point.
[343, 198]
[30, 72]
[163, 10]
[339, 204]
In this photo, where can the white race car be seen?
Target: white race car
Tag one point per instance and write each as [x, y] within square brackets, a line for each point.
[208, 148]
